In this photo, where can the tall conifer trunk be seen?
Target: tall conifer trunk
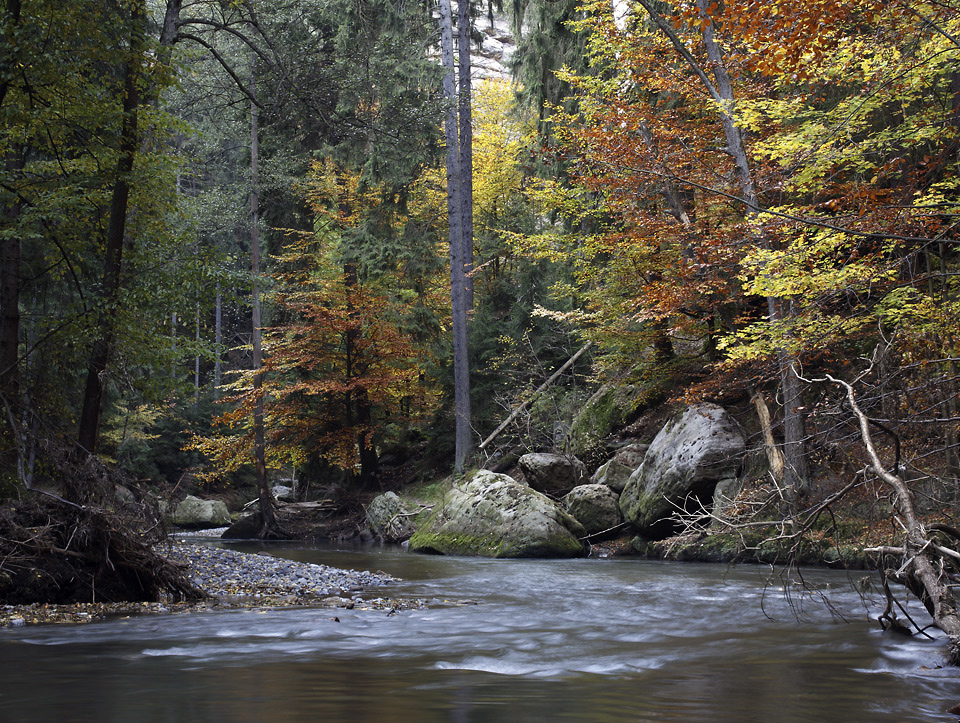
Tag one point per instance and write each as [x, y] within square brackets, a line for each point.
[92, 409]
[268, 527]
[465, 138]
[455, 216]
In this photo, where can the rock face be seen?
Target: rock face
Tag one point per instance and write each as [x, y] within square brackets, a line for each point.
[604, 412]
[192, 513]
[612, 475]
[616, 472]
[552, 474]
[389, 518]
[692, 454]
[632, 455]
[594, 506]
[493, 515]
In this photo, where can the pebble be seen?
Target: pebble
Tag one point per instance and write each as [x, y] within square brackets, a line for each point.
[227, 573]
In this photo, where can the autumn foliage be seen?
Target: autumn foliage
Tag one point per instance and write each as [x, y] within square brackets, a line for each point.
[848, 113]
[340, 368]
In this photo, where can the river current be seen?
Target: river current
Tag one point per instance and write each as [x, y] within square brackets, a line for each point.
[503, 640]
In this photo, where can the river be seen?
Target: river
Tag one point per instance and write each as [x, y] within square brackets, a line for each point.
[504, 640]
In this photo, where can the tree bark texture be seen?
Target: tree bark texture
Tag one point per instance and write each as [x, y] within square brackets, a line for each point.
[720, 90]
[218, 341]
[92, 408]
[458, 292]
[10, 298]
[268, 526]
[358, 408]
[10, 248]
[465, 117]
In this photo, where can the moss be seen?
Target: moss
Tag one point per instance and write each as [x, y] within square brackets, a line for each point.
[428, 492]
[446, 543]
[603, 412]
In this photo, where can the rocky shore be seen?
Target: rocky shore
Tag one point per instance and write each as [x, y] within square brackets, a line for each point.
[231, 579]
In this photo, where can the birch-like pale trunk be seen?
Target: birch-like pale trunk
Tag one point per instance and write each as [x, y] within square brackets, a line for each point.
[920, 562]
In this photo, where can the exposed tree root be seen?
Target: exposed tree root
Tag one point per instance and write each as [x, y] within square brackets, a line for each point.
[52, 551]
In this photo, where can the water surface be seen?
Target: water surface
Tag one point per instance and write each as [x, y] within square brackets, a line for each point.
[519, 640]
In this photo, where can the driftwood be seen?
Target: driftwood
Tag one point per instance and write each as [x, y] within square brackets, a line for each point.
[533, 397]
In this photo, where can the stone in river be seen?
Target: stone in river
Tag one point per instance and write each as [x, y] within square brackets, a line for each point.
[493, 515]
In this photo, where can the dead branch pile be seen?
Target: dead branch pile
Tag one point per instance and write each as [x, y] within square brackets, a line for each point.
[53, 551]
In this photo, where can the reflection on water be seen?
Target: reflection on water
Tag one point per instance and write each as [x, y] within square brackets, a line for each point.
[583, 640]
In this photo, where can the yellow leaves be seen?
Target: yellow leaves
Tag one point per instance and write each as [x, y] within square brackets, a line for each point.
[499, 137]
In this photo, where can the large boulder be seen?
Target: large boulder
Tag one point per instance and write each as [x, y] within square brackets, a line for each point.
[595, 507]
[390, 518]
[615, 473]
[493, 515]
[192, 513]
[552, 474]
[693, 453]
[631, 454]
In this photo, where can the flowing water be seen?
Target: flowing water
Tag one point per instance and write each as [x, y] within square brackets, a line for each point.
[566, 640]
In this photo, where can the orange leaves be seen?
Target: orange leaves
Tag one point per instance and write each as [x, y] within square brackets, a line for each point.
[792, 37]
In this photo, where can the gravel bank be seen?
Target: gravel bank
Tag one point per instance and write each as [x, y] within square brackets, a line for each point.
[226, 573]
[233, 580]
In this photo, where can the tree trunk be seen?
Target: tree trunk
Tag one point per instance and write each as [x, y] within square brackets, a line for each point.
[173, 347]
[10, 297]
[268, 527]
[92, 408]
[794, 432]
[465, 114]
[217, 340]
[196, 359]
[721, 91]
[8, 60]
[10, 452]
[458, 292]
[358, 408]
[774, 456]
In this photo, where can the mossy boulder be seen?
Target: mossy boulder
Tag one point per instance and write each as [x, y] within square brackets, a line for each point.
[493, 515]
[615, 472]
[595, 507]
[391, 518]
[193, 513]
[552, 474]
[697, 450]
